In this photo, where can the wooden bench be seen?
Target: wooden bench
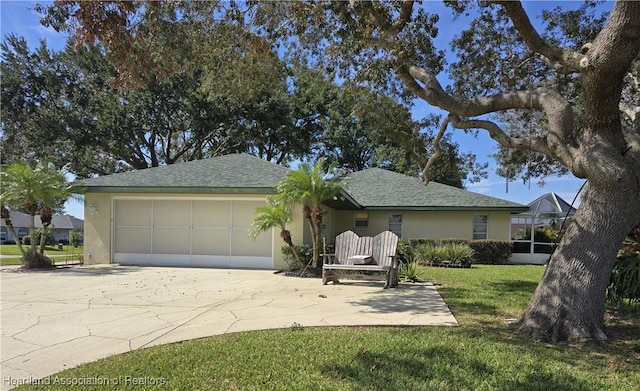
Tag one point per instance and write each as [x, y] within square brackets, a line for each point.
[366, 253]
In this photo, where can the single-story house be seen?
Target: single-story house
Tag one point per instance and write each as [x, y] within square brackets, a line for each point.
[62, 226]
[197, 213]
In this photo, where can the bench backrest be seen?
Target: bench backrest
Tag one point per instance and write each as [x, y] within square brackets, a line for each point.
[381, 247]
[346, 245]
[385, 245]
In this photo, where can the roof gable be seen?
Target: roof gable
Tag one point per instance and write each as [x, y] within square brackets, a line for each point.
[551, 203]
[376, 188]
[232, 172]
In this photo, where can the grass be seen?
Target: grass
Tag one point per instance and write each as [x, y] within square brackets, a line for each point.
[481, 354]
[60, 254]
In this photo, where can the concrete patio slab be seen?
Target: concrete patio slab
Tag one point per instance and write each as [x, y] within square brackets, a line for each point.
[55, 320]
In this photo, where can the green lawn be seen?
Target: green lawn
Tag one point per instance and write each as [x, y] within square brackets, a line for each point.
[481, 354]
[58, 255]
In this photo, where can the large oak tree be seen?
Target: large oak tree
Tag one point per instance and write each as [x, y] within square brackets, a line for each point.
[367, 38]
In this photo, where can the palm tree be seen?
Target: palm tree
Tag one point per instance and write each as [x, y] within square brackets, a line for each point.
[46, 216]
[274, 214]
[310, 185]
[32, 189]
[6, 216]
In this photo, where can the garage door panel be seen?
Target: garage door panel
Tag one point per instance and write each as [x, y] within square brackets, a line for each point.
[132, 213]
[244, 212]
[183, 232]
[133, 240]
[252, 262]
[211, 213]
[172, 213]
[210, 241]
[132, 259]
[170, 260]
[243, 245]
[171, 240]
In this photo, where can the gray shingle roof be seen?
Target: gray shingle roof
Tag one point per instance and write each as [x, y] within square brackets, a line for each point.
[376, 188]
[20, 219]
[234, 173]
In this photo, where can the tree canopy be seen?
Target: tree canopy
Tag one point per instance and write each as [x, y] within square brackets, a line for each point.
[68, 107]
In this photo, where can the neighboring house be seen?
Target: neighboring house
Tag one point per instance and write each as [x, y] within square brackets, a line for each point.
[62, 226]
[531, 244]
[197, 213]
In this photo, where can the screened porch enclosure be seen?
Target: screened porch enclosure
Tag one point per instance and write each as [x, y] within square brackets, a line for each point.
[535, 233]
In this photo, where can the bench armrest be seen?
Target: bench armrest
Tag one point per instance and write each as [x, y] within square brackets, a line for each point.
[328, 258]
[394, 261]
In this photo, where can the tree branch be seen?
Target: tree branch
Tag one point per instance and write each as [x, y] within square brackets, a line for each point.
[569, 58]
[426, 178]
[558, 143]
[537, 144]
[404, 18]
[617, 45]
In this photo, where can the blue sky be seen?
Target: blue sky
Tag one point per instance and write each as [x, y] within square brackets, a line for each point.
[18, 17]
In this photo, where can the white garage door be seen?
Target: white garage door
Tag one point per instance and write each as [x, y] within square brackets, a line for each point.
[210, 233]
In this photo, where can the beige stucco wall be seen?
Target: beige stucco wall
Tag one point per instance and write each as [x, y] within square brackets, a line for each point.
[427, 224]
[98, 230]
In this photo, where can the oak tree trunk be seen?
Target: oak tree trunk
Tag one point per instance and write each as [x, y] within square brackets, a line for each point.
[568, 304]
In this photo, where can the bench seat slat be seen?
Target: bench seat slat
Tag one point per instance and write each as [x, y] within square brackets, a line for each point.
[381, 268]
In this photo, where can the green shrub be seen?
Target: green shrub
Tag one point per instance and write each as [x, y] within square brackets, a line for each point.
[407, 248]
[454, 241]
[458, 254]
[452, 254]
[405, 252]
[408, 271]
[491, 252]
[49, 241]
[415, 242]
[428, 254]
[76, 238]
[305, 252]
[625, 281]
[625, 277]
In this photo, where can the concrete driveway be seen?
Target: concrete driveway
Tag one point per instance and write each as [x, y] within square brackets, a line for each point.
[54, 320]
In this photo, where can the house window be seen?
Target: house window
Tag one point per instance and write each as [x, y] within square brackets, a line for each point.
[395, 224]
[3, 235]
[480, 227]
[362, 220]
[22, 232]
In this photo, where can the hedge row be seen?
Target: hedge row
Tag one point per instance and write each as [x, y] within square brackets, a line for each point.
[453, 254]
[489, 252]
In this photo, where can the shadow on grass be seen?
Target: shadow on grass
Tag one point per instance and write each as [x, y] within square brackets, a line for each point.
[412, 299]
[519, 286]
[444, 368]
[464, 303]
